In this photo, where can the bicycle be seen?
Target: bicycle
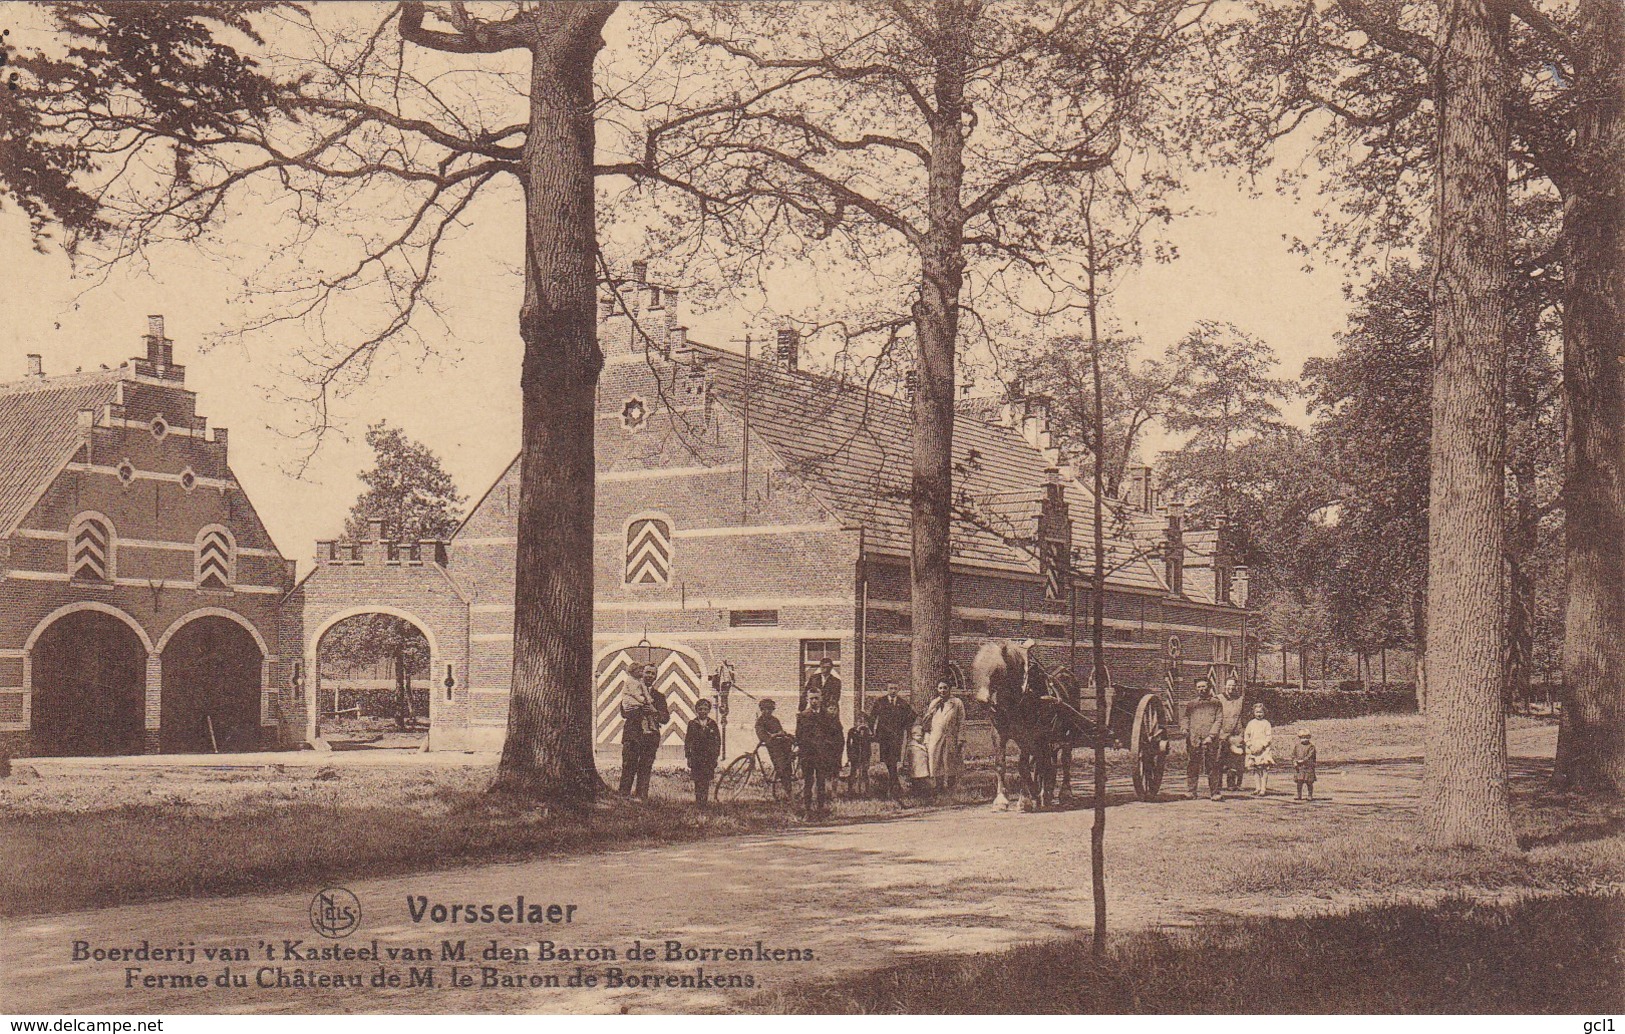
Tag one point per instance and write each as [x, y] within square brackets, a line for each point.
[754, 766]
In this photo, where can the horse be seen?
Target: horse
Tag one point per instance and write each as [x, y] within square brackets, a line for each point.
[1026, 710]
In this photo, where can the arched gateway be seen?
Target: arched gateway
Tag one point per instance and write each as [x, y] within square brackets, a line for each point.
[405, 580]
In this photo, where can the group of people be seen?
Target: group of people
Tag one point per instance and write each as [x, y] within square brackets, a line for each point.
[819, 741]
[1226, 747]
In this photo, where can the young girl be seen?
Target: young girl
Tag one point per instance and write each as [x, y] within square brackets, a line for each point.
[1257, 736]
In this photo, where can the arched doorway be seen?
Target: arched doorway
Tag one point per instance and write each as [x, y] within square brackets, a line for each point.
[373, 681]
[209, 699]
[88, 680]
[678, 674]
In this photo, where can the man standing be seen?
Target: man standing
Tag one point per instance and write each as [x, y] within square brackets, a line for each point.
[644, 713]
[1229, 735]
[826, 684]
[1201, 725]
[702, 745]
[892, 718]
[818, 735]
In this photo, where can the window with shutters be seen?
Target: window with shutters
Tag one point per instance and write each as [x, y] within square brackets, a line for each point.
[93, 548]
[216, 558]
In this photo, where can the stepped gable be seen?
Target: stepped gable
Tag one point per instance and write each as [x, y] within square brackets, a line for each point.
[39, 432]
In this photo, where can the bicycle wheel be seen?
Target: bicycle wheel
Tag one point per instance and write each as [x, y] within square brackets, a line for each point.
[736, 777]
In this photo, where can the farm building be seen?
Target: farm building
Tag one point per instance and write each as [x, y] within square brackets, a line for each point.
[139, 591]
[754, 515]
[751, 516]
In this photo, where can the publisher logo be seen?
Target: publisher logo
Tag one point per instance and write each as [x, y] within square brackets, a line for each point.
[335, 912]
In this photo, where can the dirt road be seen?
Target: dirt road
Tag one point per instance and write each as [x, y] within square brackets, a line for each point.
[853, 897]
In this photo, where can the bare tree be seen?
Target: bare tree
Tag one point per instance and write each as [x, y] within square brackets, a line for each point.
[391, 132]
[937, 135]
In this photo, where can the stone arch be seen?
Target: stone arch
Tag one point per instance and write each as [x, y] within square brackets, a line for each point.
[85, 670]
[213, 612]
[103, 608]
[212, 685]
[680, 676]
[438, 692]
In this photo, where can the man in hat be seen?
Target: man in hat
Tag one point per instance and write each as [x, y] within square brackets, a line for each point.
[892, 718]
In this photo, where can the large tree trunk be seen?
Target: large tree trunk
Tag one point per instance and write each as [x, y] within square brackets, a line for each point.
[1465, 778]
[936, 328]
[1591, 740]
[549, 750]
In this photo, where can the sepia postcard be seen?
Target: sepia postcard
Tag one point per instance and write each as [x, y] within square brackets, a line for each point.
[839, 507]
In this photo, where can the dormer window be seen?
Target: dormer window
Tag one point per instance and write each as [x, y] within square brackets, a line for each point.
[216, 558]
[93, 546]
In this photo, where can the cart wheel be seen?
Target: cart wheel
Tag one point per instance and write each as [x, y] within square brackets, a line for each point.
[736, 777]
[1149, 746]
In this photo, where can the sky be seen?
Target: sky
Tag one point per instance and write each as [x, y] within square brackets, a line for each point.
[461, 400]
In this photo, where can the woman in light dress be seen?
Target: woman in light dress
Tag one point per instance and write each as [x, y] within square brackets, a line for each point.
[944, 722]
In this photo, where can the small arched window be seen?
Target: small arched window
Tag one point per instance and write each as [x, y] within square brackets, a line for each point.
[93, 548]
[216, 558]
[649, 550]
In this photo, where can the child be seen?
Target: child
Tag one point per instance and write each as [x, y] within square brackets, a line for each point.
[702, 744]
[859, 752]
[1303, 765]
[1258, 734]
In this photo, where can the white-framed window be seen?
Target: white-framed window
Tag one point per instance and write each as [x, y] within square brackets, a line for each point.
[650, 549]
[93, 548]
[815, 650]
[216, 558]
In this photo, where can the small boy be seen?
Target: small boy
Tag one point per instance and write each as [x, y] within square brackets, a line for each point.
[702, 745]
[859, 752]
[770, 734]
[1303, 765]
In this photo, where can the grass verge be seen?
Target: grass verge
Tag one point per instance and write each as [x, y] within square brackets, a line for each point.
[126, 836]
[1547, 955]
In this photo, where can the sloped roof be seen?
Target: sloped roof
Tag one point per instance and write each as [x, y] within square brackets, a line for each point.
[39, 430]
[852, 447]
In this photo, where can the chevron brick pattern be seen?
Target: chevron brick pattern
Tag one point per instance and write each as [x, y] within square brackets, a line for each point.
[214, 561]
[648, 552]
[92, 550]
[677, 676]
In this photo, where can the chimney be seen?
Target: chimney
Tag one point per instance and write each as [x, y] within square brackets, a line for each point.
[789, 348]
[679, 340]
[1222, 563]
[160, 351]
[1174, 549]
[375, 529]
[911, 382]
[671, 321]
[1239, 586]
[36, 365]
[640, 272]
[1035, 421]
